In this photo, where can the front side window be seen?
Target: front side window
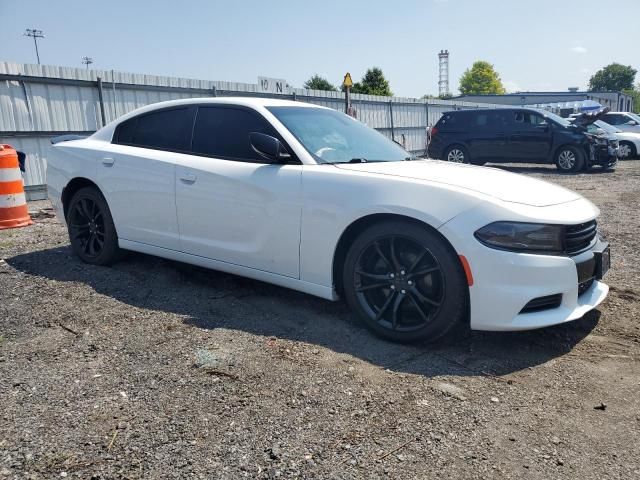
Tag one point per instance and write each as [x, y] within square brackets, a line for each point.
[333, 137]
[223, 132]
[528, 119]
[161, 130]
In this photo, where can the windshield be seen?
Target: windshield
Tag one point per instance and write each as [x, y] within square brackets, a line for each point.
[606, 127]
[333, 137]
[556, 118]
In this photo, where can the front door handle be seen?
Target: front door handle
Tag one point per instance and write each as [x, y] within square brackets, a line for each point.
[108, 161]
[188, 177]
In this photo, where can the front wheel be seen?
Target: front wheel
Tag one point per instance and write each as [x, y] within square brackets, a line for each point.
[627, 151]
[405, 282]
[569, 159]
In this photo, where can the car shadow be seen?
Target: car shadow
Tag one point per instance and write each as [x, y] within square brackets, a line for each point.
[212, 300]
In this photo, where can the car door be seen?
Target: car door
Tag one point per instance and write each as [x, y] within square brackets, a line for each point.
[530, 137]
[234, 206]
[137, 175]
[487, 136]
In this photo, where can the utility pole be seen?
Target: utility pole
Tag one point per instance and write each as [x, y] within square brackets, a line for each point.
[443, 76]
[36, 34]
[87, 61]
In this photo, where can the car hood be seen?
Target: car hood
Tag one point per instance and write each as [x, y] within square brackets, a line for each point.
[494, 182]
[585, 119]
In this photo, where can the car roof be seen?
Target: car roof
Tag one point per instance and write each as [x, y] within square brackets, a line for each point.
[243, 101]
[106, 132]
[505, 109]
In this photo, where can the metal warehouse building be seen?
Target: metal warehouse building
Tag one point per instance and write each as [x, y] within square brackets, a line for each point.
[616, 101]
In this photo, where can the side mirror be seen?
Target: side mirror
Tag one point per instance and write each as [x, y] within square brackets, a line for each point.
[632, 123]
[269, 147]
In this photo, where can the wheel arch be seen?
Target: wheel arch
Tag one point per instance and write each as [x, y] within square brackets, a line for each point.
[72, 187]
[350, 233]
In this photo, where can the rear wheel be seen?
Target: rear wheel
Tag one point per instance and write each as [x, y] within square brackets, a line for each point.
[91, 230]
[456, 154]
[569, 159]
[404, 282]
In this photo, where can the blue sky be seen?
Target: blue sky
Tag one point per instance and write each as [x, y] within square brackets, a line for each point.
[534, 44]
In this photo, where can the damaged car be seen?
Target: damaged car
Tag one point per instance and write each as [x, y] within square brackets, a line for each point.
[521, 135]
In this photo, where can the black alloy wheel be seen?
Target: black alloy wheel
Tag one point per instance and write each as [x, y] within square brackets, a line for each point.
[399, 283]
[404, 282]
[91, 230]
[86, 226]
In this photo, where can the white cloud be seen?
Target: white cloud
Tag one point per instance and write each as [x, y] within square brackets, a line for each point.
[578, 49]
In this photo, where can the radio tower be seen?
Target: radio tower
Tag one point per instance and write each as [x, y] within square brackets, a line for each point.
[443, 77]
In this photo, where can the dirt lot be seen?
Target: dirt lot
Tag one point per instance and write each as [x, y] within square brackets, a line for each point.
[152, 369]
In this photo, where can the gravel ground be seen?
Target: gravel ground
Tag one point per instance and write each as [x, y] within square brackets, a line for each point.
[153, 369]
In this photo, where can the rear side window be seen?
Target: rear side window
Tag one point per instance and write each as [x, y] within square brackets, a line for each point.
[489, 120]
[162, 130]
[453, 121]
[223, 132]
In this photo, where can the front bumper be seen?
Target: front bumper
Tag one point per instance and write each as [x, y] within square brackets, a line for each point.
[604, 155]
[505, 282]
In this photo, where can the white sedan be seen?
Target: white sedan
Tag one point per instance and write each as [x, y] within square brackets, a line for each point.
[308, 198]
[629, 141]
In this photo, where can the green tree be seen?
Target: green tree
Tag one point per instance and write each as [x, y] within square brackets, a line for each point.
[373, 83]
[635, 95]
[613, 78]
[316, 82]
[480, 79]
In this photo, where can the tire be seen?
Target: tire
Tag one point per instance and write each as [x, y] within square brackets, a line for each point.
[569, 159]
[456, 154]
[630, 148]
[91, 230]
[405, 282]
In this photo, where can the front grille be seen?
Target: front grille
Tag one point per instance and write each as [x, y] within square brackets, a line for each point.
[584, 286]
[577, 238]
[543, 303]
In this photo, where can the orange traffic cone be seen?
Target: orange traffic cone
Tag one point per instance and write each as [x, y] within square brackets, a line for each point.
[13, 203]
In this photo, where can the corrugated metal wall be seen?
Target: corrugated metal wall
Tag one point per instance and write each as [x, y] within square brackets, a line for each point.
[41, 101]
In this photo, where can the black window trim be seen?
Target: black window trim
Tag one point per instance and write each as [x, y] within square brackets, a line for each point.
[188, 107]
[194, 108]
[294, 160]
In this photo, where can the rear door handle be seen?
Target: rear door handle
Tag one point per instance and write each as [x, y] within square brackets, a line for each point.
[108, 161]
[188, 177]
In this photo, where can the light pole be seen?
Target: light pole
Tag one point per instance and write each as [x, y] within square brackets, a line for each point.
[36, 34]
[87, 61]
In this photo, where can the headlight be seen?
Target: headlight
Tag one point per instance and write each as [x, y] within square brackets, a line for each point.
[522, 237]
